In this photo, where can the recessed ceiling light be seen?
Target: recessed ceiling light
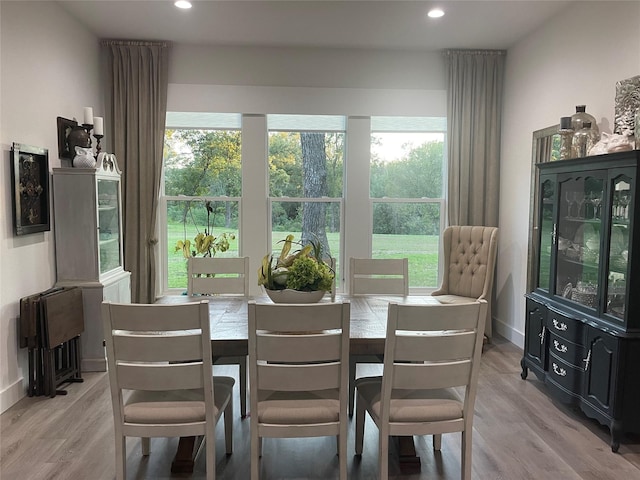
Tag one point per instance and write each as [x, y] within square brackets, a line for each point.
[435, 13]
[183, 4]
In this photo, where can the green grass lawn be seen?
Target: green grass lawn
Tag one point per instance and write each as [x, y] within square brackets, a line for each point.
[421, 250]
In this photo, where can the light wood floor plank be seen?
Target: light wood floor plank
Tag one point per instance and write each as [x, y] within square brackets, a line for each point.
[520, 433]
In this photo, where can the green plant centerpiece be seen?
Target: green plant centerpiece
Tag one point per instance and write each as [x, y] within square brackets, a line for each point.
[302, 270]
[204, 243]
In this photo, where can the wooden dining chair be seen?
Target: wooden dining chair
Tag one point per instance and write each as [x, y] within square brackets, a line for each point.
[387, 276]
[222, 276]
[218, 276]
[371, 276]
[431, 351]
[298, 374]
[161, 355]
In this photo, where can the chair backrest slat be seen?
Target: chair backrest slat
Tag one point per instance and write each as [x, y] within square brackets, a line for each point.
[305, 318]
[298, 378]
[324, 347]
[137, 317]
[431, 375]
[379, 276]
[157, 348]
[436, 347]
[449, 317]
[178, 376]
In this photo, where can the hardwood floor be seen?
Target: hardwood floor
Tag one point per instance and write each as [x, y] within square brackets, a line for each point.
[519, 433]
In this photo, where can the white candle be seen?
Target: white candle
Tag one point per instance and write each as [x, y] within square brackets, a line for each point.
[88, 115]
[97, 125]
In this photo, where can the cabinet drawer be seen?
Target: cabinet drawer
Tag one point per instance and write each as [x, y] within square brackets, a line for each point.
[565, 327]
[570, 352]
[566, 375]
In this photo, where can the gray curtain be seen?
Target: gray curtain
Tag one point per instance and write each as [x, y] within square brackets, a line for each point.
[136, 85]
[474, 110]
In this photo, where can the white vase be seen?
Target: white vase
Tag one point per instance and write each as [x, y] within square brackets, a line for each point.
[294, 296]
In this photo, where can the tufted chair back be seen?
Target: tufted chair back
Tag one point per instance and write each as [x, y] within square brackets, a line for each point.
[469, 265]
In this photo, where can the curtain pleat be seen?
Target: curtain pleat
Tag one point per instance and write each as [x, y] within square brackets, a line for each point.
[136, 86]
[474, 108]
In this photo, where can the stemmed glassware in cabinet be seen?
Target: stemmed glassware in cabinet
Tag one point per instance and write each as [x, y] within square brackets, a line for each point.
[579, 198]
[596, 199]
[569, 197]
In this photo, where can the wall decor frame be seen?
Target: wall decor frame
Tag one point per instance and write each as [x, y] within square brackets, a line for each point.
[30, 182]
[627, 105]
[64, 128]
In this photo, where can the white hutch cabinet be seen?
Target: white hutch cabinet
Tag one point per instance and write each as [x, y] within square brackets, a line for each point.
[88, 234]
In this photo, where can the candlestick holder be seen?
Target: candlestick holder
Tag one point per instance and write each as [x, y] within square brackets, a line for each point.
[98, 147]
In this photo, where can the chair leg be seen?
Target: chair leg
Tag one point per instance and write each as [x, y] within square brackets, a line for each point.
[342, 451]
[437, 442]
[121, 457]
[210, 451]
[145, 445]
[360, 414]
[383, 455]
[255, 452]
[352, 383]
[465, 455]
[242, 377]
[228, 427]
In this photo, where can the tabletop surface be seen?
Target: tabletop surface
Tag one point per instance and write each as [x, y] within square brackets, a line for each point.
[229, 321]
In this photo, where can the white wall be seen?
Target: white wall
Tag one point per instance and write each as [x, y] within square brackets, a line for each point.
[575, 59]
[50, 68]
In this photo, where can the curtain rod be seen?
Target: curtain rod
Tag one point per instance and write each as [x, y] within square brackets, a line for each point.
[475, 52]
[134, 43]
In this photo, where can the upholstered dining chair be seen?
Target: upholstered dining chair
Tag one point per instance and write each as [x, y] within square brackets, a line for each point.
[371, 276]
[469, 266]
[431, 352]
[222, 276]
[160, 373]
[298, 374]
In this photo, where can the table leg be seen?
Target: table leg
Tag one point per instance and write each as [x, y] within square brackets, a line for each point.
[408, 459]
[184, 459]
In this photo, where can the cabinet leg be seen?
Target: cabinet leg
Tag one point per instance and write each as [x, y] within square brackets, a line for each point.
[616, 432]
[525, 370]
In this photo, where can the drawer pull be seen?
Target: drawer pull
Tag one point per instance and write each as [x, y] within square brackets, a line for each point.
[559, 346]
[587, 361]
[559, 325]
[561, 372]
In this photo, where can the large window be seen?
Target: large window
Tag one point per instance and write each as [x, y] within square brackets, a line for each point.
[202, 189]
[306, 179]
[407, 192]
[388, 204]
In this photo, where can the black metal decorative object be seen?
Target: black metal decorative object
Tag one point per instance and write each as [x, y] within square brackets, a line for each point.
[65, 126]
[30, 175]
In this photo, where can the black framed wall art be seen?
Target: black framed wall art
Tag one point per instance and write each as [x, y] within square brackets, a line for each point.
[30, 182]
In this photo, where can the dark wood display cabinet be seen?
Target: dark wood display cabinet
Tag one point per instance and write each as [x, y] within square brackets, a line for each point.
[582, 328]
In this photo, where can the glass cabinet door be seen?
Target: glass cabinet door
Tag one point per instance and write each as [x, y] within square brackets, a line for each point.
[621, 204]
[579, 238]
[547, 200]
[108, 225]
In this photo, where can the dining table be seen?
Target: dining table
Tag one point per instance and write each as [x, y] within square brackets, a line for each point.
[229, 338]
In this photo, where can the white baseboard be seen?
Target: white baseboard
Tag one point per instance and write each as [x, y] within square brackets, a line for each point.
[508, 332]
[12, 394]
[94, 364]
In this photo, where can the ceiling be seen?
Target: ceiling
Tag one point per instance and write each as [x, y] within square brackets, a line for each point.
[379, 24]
